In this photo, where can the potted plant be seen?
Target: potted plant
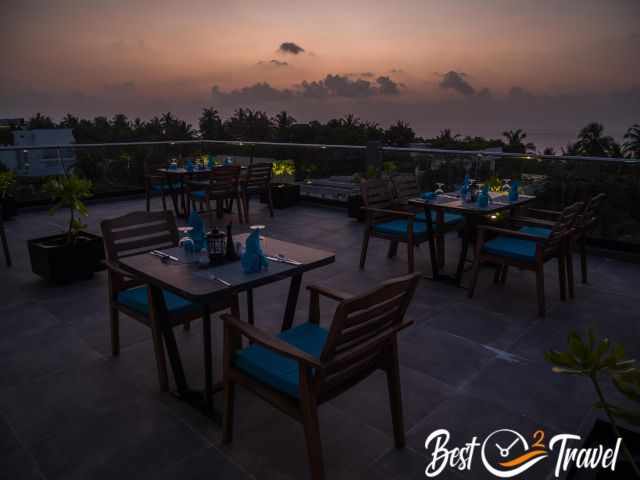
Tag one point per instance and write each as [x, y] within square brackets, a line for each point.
[594, 359]
[284, 192]
[74, 254]
[7, 199]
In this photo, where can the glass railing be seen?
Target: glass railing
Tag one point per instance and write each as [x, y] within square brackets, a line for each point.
[332, 172]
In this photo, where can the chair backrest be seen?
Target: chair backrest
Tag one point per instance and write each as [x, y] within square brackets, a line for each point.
[377, 193]
[563, 225]
[258, 175]
[406, 187]
[590, 215]
[138, 232]
[361, 331]
[224, 179]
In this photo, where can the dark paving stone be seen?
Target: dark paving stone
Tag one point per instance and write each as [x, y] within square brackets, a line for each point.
[205, 464]
[369, 400]
[399, 464]
[531, 388]
[451, 359]
[16, 463]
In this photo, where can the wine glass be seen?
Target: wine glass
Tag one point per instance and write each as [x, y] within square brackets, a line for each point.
[506, 184]
[186, 241]
[439, 188]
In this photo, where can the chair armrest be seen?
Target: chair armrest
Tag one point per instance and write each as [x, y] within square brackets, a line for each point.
[270, 342]
[512, 233]
[542, 211]
[113, 267]
[397, 213]
[533, 221]
[329, 292]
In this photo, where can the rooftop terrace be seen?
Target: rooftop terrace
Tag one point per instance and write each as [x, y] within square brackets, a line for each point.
[68, 409]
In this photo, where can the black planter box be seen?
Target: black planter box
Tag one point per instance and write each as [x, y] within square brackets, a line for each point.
[57, 262]
[284, 195]
[602, 434]
[9, 207]
[354, 207]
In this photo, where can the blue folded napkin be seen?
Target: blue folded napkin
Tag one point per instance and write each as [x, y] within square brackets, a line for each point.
[228, 161]
[210, 161]
[483, 197]
[198, 234]
[429, 195]
[189, 165]
[465, 188]
[513, 191]
[253, 260]
[173, 166]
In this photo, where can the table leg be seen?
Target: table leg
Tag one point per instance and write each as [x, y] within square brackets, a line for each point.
[208, 359]
[174, 195]
[432, 243]
[292, 301]
[469, 227]
[250, 314]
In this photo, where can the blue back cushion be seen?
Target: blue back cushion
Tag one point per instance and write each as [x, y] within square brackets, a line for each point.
[537, 231]
[199, 194]
[278, 371]
[137, 299]
[158, 187]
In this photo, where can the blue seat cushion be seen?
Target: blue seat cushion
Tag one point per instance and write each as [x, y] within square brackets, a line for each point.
[516, 248]
[137, 299]
[449, 218]
[537, 231]
[199, 194]
[159, 187]
[399, 228]
[276, 370]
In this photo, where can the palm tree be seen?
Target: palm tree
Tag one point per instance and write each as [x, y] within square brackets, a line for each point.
[399, 134]
[593, 142]
[283, 122]
[515, 141]
[210, 124]
[631, 146]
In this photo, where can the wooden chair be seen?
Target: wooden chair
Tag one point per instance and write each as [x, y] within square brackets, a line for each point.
[585, 224]
[308, 365]
[386, 219]
[155, 184]
[257, 180]
[5, 243]
[529, 248]
[405, 187]
[222, 185]
[131, 234]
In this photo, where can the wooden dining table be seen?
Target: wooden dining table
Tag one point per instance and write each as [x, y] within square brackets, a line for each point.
[210, 286]
[179, 177]
[473, 216]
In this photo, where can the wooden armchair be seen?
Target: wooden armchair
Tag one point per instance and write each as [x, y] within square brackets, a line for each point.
[131, 234]
[386, 219]
[585, 224]
[529, 248]
[308, 365]
[406, 187]
[222, 185]
[257, 180]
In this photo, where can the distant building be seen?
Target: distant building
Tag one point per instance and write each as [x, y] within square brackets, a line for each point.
[40, 163]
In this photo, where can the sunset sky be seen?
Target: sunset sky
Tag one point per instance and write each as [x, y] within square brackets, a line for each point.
[477, 67]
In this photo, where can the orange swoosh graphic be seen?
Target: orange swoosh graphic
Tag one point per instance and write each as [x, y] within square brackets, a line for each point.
[523, 458]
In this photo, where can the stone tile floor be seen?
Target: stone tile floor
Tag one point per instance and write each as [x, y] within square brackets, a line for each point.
[69, 410]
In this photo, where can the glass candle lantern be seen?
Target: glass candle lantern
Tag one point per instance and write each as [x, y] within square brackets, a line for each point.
[216, 246]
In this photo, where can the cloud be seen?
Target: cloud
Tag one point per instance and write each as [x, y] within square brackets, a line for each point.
[273, 63]
[455, 81]
[256, 93]
[361, 74]
[387, 86]
[290, 47]
[341, 86]
[315, 89]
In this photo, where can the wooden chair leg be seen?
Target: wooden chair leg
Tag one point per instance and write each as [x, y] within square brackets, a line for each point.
[114, 319]
[147, 195]
[246, 208]
[562, 277]
[164, 202]
[570, 279]
[583, 257]
[503, 276]
[440, 249]
[497, 274]
[311, 430]
[227, 420]
[411, 255]
[474, 276]
[5, 244]
[161, 363]
[239, 207]
[187, 326]
[540, 289]
[365, 246]
[395, 397]
[393, 249]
